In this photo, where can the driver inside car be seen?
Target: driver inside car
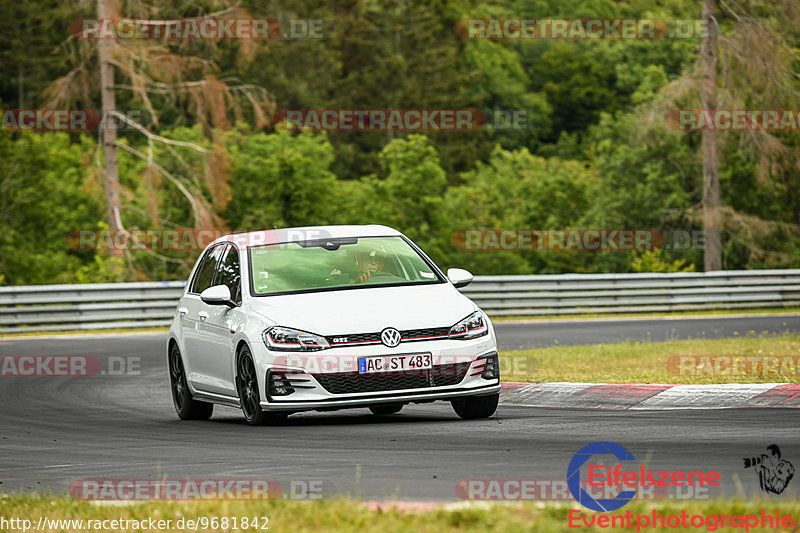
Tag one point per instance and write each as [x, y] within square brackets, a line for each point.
[368, 264]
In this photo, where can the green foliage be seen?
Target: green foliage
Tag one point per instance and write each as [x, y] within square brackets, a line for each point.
[407, 195]
[103, 269]
[44, 180]
[281, 179]
[520, 191]
[596, 152]
[577, 87]
[653, 261]
[411, 193]
[501, 84]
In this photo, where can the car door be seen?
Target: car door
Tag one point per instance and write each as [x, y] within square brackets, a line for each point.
[194, 313]
[214, 358]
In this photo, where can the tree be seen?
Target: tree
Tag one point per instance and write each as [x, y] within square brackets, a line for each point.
[160, 74]
[109, 108]
[46, 191]
[280, 179]
[517, 190]
[708, 92]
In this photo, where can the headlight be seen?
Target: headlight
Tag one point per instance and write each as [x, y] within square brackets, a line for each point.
[469, 328]
[293, 340]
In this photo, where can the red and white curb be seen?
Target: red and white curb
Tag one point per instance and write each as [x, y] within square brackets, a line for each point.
[650, 396]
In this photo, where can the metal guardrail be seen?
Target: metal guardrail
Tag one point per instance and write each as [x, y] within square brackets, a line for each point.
[572, 294]
[88, 306]
[152, 304]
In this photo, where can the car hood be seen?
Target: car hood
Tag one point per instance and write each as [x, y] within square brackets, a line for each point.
[366, 310]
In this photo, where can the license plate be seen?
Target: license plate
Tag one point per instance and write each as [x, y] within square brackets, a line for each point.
[394, 363]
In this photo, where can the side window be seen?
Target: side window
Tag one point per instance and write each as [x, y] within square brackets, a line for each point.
[230, 275]
[205, 271]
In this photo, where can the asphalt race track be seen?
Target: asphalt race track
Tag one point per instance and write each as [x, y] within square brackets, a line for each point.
[55, 430]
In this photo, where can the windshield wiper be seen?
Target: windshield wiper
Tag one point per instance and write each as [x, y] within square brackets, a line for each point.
[328, 244]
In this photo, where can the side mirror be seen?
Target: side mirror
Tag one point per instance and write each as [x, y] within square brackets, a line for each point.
[217, 295]
[459, 277]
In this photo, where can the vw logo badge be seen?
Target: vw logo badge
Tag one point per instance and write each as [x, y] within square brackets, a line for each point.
[390, 337]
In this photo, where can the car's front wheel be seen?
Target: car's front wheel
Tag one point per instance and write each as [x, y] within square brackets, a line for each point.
[386, 408]
[249, 396]
[186, 407]
[476, 406]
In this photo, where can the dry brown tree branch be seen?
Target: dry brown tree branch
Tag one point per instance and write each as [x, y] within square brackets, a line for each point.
[201, 211]
[150, 135]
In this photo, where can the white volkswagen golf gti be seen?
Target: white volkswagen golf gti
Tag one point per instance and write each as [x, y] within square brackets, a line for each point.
[326, 318]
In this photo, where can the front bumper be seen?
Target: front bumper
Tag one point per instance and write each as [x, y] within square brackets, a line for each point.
[330, 379]
[406, 396]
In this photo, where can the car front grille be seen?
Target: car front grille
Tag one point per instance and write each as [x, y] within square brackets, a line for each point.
[409, 335]
[423, 334]
[335, 340]
[353, 382]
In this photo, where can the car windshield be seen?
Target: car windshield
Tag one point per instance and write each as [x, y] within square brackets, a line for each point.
[337, 264]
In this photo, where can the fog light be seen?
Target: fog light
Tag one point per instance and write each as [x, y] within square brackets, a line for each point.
[491, 370]
[278, 384]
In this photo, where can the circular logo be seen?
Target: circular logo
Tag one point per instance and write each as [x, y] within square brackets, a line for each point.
[390, 337]
[574, 476]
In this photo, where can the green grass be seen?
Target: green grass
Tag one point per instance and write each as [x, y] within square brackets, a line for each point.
[350, 515]
[645, 362]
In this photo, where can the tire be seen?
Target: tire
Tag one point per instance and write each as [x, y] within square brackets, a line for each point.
[476, 406]
[386, 408]
[249, 395]
[186, 407]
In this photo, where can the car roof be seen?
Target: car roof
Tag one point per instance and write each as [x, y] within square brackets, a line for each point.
[273, 236]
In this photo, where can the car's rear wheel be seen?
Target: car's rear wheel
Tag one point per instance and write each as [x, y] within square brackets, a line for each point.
[186, 407]
[386, 408]
[249, 396]
[476, 406]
